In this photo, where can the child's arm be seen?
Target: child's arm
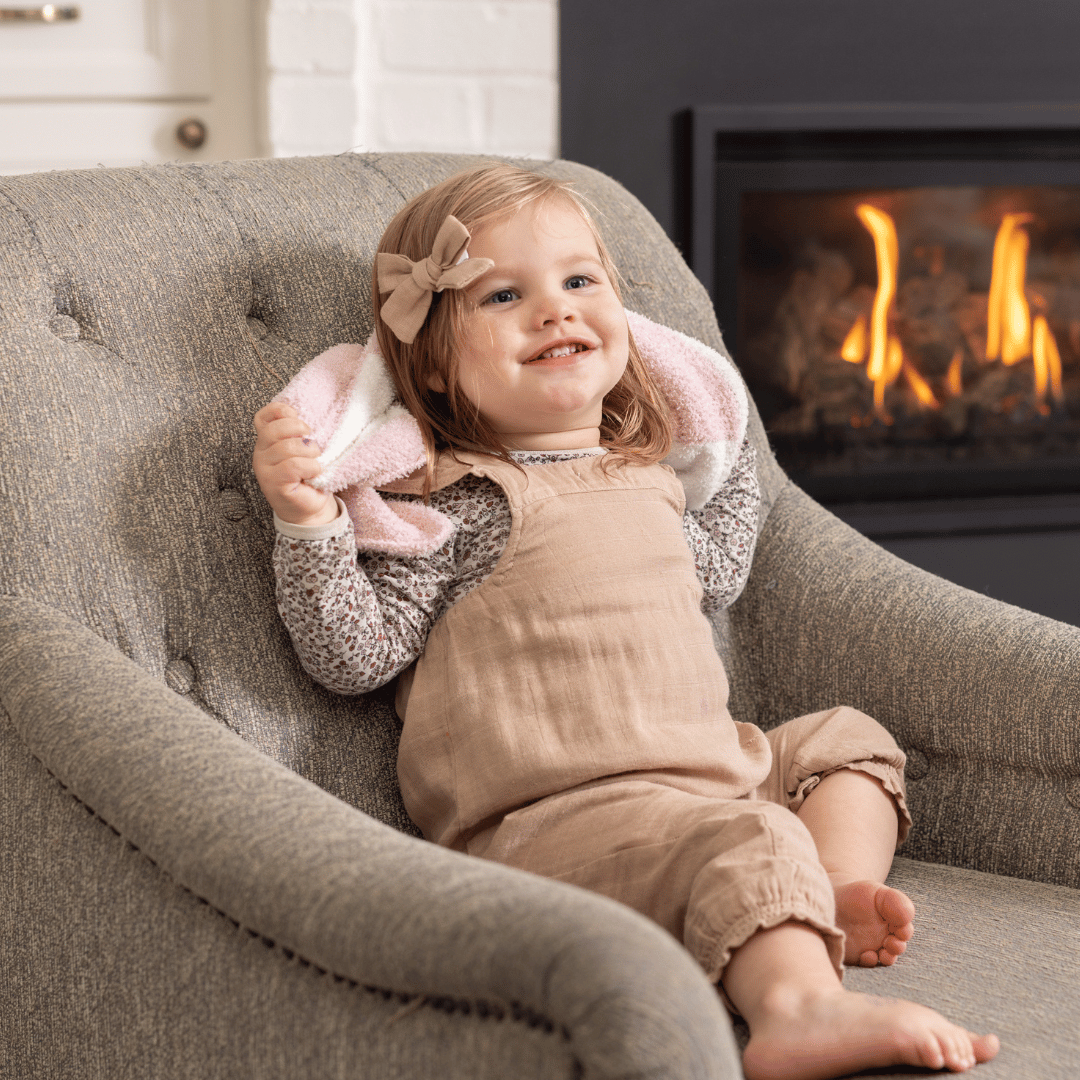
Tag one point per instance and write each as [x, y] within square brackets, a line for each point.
[355, 625]
[349, 635]
[722, 534]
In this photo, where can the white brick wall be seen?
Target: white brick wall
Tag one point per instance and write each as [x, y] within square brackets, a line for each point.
[311, 50]
[474, 76]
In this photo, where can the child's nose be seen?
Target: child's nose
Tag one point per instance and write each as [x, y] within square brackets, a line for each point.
[554, 307]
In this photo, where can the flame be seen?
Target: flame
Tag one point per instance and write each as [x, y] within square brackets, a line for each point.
[954, 378]
[886, 354]
[1010, 332]
[887, 250]
[1008, 318]
[894, 364]
[920, 386]
[1011, 335]
[1047, 360]
[854, 348]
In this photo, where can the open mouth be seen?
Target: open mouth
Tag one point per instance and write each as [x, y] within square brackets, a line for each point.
[559, 352]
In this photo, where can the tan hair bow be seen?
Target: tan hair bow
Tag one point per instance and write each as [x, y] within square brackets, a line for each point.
[411, 284]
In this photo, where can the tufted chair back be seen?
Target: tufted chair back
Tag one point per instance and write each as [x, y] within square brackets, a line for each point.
[156, 310]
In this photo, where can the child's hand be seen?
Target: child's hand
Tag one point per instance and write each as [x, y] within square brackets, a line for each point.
[284, 458]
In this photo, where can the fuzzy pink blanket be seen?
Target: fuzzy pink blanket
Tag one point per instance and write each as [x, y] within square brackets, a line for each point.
[368, 439]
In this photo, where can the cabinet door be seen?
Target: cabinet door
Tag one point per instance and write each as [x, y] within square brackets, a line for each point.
[114, 49]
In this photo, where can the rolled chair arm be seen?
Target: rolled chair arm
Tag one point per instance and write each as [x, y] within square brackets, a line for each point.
[983, 696]
[280, 856]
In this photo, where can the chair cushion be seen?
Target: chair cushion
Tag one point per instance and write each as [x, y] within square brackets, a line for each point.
[994, 954]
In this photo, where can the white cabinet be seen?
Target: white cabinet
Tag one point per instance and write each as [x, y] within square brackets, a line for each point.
[115, 48]
[112, 85]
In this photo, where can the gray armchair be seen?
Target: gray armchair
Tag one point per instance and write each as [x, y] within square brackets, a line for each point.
[205, 867]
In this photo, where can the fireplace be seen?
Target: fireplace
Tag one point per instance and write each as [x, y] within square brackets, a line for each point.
[901, 289]
[916, 341]
[900, 286]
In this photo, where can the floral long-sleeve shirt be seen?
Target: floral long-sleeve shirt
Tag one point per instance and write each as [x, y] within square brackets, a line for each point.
[357, 619]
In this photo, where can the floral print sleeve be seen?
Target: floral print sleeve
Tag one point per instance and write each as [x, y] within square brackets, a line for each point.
[351, 632]
[357, 619]
[723, 532]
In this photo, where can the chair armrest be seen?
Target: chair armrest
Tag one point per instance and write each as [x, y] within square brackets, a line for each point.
[982, 696]
[280, 856]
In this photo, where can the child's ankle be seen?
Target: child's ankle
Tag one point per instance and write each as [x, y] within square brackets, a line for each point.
[792, 998]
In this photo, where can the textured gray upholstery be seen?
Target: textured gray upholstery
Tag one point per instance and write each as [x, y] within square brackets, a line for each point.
[205, 867]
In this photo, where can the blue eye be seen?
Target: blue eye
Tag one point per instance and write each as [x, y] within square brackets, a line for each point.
[578, 281]
[503, 296]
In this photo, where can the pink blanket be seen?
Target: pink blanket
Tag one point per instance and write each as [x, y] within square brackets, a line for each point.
[368, 439]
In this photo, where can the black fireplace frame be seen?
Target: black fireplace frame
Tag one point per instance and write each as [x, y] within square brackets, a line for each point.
[724, 151]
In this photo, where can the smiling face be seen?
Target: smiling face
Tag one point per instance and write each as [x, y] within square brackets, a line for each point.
[548, 338]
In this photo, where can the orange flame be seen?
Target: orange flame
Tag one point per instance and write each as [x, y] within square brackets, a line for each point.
[1008, 318]
[886, 353]
[920, 386]
[854, 348]
[1047, 360]
[894, 364]
[954, 379]
[887, 250]
[1010, 332]
[1011, 336]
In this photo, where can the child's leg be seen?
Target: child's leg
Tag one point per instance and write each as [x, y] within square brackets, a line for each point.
[854, 821]
[854, 818]
[805, 1026]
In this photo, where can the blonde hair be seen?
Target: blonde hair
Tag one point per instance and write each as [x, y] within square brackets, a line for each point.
[634, 424]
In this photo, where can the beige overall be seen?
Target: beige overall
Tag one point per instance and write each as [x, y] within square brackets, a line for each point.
[569, 717]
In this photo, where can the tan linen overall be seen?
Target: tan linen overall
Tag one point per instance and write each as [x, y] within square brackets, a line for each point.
[569, 717]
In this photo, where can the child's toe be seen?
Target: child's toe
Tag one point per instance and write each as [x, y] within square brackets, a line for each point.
[895, 945]
[931, 1054]
[984, 1046]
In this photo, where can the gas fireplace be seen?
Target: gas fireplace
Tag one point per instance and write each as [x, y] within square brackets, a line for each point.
[901, 289]
[927, 335]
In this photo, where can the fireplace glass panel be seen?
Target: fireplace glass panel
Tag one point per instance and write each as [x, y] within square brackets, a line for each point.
[915, 342]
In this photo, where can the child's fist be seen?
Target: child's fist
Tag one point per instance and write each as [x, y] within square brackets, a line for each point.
[285, 456]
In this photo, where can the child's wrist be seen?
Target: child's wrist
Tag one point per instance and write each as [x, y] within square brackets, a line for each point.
[331, 511]
[316, 526]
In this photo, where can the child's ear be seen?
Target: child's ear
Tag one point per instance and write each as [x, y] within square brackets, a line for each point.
[437, 383]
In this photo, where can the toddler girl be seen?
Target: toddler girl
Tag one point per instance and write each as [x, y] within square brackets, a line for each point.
[542, 590]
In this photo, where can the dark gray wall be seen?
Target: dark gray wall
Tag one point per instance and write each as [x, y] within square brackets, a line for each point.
[1037, 571]
[628, 66]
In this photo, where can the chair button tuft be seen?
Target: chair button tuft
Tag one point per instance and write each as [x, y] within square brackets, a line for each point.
[233, 504]
[918, 764]
[64, 327]
[180, 676]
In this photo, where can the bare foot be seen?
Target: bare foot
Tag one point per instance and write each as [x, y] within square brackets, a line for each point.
[876, 920]
[811, 1036]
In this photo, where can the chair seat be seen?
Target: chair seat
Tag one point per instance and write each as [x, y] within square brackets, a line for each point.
[995, 954]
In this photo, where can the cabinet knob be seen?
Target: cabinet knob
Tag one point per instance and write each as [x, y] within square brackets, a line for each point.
[47, 13]
[191, 134]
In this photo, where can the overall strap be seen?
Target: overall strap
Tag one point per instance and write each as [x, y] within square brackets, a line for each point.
[448, 470]
[595, 472]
